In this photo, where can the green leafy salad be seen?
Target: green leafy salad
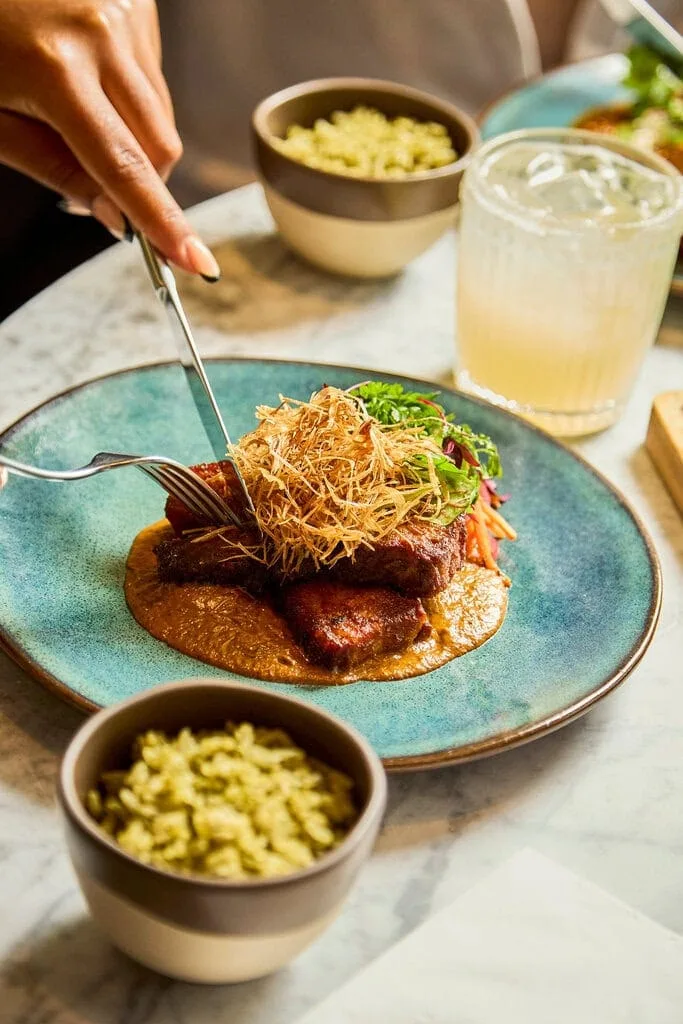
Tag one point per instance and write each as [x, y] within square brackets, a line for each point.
[658, 109]
[467, 458]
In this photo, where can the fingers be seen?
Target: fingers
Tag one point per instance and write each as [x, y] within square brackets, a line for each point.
[107, 149]
[106, 137]
[143, 110]
[151, 65]
[37, 150]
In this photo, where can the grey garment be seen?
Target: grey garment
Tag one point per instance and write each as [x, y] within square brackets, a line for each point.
[223, 56]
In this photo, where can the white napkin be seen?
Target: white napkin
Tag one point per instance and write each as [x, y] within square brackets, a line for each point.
[530, 944]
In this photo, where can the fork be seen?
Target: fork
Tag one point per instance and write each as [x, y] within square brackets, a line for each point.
[176, 479]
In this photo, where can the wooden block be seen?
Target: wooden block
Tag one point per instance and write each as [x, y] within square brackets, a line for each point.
[664, 441]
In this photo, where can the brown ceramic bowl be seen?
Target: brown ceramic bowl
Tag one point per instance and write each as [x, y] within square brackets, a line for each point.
[205, 929]
[362, 227]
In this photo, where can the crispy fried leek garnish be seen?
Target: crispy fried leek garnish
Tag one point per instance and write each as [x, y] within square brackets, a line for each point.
[326, 478]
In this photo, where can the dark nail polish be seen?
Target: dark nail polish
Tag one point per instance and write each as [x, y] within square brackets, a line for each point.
[211, 280]
[128, 235]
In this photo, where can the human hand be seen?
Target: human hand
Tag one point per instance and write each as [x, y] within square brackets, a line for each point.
[84, 109]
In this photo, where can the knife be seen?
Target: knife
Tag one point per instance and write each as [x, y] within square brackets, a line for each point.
[164, 284]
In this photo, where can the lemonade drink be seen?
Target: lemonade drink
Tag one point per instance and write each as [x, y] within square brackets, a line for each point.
[567, 246]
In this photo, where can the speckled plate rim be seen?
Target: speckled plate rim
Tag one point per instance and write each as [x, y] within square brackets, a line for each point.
[409, 762]
[483, 115]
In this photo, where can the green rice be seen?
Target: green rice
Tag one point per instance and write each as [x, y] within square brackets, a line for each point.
[238, 804]
[364, 143]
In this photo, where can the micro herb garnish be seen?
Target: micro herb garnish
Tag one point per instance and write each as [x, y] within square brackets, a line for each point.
[467, 457]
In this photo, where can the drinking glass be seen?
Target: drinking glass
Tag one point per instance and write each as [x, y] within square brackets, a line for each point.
[568, 241]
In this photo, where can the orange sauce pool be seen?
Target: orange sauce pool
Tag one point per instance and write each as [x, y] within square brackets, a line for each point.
[230, 628]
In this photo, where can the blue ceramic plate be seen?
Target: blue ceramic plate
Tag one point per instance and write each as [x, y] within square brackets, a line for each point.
[583, 605]
[557, 99]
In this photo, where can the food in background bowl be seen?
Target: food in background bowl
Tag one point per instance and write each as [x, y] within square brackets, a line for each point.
[243, 802]
[347, 223]
[654, 121]
[364, 143]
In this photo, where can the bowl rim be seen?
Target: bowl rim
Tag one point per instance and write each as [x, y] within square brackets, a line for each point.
[76, 812]
[491, 105]
[320, 85]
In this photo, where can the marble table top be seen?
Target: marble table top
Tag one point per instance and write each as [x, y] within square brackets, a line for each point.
[602, 796]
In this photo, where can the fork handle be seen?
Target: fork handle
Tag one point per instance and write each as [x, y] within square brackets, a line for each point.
[22, 469]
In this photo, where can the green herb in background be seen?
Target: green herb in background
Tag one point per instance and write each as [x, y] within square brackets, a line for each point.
[657, 88]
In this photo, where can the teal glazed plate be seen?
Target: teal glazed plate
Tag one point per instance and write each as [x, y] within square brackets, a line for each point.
[558, 99]
[583, 605]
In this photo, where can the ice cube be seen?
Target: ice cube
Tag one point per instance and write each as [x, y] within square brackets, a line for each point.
[568, 183]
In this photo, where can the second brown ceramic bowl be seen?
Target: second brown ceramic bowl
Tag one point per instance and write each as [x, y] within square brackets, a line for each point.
[361, 227]
[208, 929]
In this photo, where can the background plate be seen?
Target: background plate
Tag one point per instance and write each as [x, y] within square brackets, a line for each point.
[557, 99]
[583, 604]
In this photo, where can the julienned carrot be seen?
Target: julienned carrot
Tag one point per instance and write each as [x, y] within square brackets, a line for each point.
[498, 520]
[484, 540]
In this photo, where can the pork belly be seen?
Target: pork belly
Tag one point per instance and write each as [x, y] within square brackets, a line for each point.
[419, 558]
[340, 626]
[213, 559]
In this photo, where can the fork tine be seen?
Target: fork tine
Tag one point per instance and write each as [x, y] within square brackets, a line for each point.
[223, 508]
[198, 487]
[178, 489]
[194, 493]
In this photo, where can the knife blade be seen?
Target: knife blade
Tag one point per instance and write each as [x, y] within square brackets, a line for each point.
[164, 283]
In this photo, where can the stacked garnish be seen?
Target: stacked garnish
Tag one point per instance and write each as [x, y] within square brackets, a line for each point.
[345, 469]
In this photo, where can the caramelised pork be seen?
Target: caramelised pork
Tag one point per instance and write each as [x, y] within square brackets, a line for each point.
[364, 606]
[340, 626]
[218, 475]
[419, 558]
[215, 559]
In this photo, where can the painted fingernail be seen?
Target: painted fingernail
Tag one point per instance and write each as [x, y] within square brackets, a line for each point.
[74, 207]
[201, 259]
[108, 214]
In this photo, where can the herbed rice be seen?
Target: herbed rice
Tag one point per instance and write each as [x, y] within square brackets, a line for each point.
[364, 143]
[242, 803]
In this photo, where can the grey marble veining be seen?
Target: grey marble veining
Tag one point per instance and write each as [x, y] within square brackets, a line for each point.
[602, 796]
